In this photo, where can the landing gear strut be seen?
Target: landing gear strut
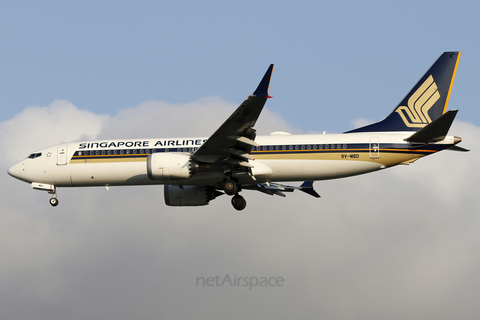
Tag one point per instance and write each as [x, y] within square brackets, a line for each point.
[238, 202]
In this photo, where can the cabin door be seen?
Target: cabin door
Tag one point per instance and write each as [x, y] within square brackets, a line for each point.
[62, 155]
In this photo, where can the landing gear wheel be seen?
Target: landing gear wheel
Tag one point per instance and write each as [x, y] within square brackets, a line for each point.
[230, 187]
[54, 202]
[238, 202]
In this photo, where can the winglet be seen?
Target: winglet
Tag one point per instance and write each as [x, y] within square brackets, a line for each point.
[307, 187]
[262, 89]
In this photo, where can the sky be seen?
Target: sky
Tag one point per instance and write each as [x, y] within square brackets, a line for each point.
[400, 243]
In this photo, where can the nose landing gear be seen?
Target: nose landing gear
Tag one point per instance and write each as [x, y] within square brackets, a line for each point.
[54, 201]
[50, 188]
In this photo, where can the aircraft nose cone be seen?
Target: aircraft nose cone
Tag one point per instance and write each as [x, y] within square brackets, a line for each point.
[14, 171]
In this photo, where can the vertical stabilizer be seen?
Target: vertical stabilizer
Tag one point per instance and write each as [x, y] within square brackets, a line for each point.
[426, 102]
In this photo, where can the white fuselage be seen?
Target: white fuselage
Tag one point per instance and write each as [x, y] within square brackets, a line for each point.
[278, 158]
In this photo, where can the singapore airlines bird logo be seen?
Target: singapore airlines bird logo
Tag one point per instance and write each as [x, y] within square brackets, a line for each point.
[416, 114]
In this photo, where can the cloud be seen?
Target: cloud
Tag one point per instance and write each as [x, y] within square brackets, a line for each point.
[358, 123]
[62, 122]
[38, 127]
[398, 243]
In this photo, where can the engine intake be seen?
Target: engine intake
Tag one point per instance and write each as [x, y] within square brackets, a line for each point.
[170, 166]
[188, 196]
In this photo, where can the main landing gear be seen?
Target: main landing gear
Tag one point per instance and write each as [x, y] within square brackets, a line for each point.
[239, 202]
[231, 188]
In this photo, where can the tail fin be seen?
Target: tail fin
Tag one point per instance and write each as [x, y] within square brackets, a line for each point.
[426, 101]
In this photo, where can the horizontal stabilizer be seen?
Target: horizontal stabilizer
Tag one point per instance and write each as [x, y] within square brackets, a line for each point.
[435, 131]
[457, 148]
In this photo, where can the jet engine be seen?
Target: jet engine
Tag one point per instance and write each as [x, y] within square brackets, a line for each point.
[188, 196]
[170, 166]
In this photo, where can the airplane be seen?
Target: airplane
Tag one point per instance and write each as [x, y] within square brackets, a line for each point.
[196, 170]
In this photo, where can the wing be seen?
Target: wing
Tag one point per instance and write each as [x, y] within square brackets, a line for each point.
[233, 141]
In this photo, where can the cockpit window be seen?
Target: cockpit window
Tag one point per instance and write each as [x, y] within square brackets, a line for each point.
[34, 155]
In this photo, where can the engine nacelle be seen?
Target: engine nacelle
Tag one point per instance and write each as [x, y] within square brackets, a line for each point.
[188, 196]
[170, 166]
